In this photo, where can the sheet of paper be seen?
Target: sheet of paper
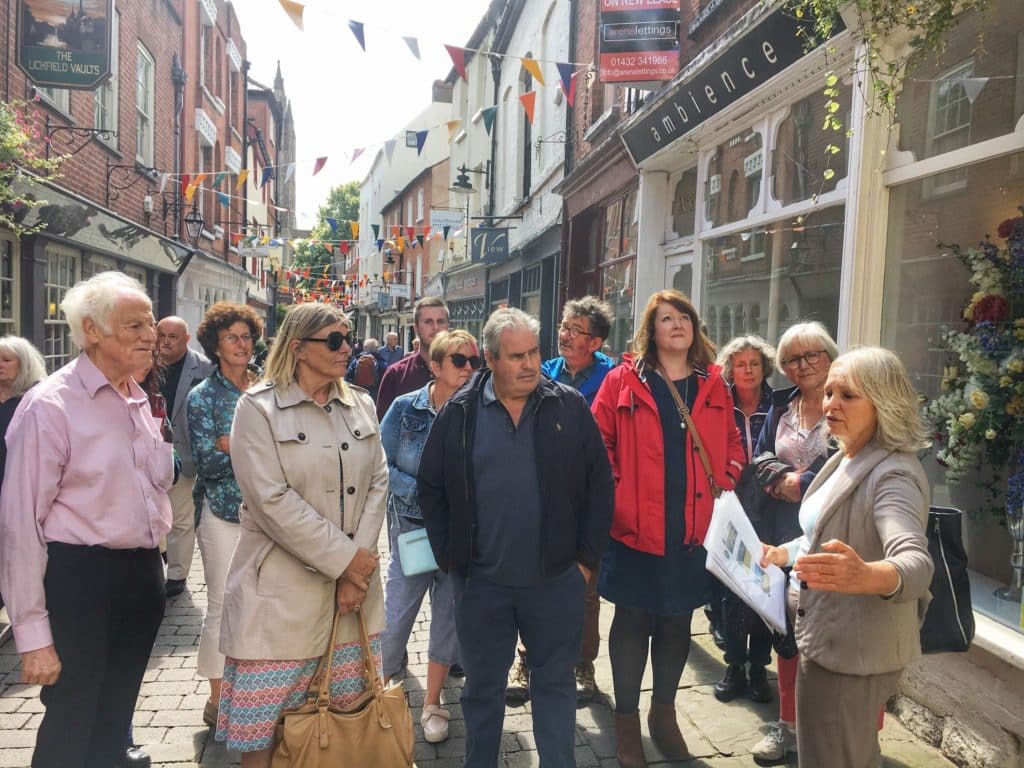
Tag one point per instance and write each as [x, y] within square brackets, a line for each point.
[734, 554]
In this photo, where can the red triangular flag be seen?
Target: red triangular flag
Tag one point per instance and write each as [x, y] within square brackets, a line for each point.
[529, 101]
[319, 165]
[459, 60]
[185, 179]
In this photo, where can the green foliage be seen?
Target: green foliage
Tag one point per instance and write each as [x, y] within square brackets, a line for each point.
[343, 205]
[878, 24]
[22, 148]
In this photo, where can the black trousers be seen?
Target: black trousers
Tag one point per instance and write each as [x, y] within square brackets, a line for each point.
[105, 609]
[739, 622]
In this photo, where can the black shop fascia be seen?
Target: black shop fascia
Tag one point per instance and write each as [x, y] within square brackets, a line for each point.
[755, 58]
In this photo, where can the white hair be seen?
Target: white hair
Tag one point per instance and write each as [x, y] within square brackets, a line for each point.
[506, 319]
[808, 333]
[96, 298]
[31, 368]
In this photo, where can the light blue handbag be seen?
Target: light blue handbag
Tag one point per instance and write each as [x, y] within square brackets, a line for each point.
[414, 552]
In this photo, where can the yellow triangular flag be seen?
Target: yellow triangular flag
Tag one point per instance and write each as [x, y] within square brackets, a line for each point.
[190, 191]
[294, 11]
[242, 176]
[531, 66]
[355, 229]
[453, 128]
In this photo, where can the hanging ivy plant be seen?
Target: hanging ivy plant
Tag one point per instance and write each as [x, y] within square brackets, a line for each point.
[22, 148]
[924, 24]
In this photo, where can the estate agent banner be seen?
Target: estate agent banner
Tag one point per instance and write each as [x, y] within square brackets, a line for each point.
[639, 41]
[747, 64]
[65, 43]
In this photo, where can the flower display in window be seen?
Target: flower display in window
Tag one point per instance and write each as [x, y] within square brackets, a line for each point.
[979, 414]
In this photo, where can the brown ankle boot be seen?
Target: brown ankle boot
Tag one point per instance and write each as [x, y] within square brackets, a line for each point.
[629, 750]
[665, 731]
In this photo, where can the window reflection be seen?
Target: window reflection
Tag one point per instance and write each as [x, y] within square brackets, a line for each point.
[733, 185]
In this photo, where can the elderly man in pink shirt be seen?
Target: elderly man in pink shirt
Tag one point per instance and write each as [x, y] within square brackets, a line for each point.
[81, 519]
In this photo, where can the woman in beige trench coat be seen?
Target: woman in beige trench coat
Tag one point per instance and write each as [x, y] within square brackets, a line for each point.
[307, 454]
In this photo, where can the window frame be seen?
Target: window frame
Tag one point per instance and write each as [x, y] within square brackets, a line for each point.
[106, 116]
[145, 118]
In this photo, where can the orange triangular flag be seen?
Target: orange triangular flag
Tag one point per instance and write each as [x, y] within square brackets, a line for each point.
[453, 128]
[533, 67]
[529, 101]
[294, 11]
[242, 176]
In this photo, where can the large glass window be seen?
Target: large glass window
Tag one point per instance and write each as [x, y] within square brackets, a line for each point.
[618, 266]
[733, 185]
[800, 157]
[62, 272]
[764, 280]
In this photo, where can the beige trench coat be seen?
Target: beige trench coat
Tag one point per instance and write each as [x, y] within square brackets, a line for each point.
[297, 464]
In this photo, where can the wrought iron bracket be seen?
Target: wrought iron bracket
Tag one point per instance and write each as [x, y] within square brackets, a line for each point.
[70, 139]
[122, 177]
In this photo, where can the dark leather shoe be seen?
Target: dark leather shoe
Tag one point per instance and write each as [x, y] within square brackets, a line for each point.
[759, 690]
[733, 684]
[456, 670]
[718, 637]
[174, 587]
[135, 757]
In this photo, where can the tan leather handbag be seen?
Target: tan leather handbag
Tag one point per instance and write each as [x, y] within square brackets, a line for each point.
[375, 731]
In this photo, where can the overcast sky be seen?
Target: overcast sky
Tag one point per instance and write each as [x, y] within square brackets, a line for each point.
[343, 98]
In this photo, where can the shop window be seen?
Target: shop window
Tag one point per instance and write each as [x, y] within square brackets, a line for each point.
[8, 317]
[969, 92]
[630, 223]
[737, 165]
[800, 156]
[684, 201]
[138, 273]
[612, 232]
[925, 289]
[96, 264]
[62, 272]
[797, 265]
[617, 287]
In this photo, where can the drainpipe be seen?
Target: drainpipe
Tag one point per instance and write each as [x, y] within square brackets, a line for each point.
[562, 272]
[179, 78]
[246, 64]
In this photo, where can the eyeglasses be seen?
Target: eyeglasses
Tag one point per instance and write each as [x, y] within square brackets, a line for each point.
[459, 360]
[233, 338]
[573, 331]
[333, 340]
[811, 358]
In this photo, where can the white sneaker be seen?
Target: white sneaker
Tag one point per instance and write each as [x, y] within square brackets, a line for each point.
[777, 743]
[435, 723]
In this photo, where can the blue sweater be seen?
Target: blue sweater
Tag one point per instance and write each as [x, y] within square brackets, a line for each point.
[554, 367]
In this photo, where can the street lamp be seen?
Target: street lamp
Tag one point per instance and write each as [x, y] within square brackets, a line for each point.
[463, 186]
[194, 225]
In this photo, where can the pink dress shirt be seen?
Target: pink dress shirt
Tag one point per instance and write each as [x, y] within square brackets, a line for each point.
[85, 465]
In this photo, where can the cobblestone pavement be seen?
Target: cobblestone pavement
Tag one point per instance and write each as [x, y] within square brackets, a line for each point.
[168, 718]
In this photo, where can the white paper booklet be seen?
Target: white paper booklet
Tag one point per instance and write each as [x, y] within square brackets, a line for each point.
[734, 556]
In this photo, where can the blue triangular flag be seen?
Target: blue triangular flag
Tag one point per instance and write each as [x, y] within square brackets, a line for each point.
[357, 30]
[446, 232]
[565, 73]
[380, 245]
[414, 45]
[334, 225]
[421, 139]
[268, 174]
[488, 115]
[224, 199]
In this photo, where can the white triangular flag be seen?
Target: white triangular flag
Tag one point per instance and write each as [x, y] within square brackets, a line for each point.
[972, 87]
[288, 173]
[163, 181]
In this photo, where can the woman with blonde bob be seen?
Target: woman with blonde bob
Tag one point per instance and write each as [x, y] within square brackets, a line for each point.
[861, 569]
[307, 455]
[653, 570]
[454, 357]
[21, 368]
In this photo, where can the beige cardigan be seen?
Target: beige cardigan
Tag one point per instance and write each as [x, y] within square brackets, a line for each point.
[880, 508]
[288, 455]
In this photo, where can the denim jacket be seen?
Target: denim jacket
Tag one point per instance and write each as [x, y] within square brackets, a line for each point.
[404, 432]
[211, 409]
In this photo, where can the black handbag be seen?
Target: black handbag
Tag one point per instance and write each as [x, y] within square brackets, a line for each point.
[949, 623]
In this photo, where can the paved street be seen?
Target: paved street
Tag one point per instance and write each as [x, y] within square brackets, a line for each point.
[168, 718]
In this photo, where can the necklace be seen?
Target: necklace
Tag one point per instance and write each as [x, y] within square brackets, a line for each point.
[806, 442]
[686, 396]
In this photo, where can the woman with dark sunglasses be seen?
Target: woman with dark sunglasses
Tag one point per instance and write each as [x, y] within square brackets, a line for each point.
[453, 358]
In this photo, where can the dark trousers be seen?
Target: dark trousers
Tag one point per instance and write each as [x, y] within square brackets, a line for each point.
[739, 622]
[105, 609]
[549, 617]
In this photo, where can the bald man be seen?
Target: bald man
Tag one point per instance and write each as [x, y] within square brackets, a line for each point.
[183, 369]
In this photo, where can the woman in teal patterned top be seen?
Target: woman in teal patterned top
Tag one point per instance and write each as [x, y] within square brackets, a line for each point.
[227, 335]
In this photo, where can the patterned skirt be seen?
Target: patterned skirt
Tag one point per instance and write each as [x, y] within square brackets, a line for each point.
[254, 693]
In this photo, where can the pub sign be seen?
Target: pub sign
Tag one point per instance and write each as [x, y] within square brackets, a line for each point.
[490, 245]
[65, 43]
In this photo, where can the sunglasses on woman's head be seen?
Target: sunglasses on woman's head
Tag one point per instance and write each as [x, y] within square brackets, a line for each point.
[459, 360]
[333, 340]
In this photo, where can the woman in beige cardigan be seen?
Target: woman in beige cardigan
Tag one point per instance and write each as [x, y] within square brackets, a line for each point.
[307, 455]
[861, 571]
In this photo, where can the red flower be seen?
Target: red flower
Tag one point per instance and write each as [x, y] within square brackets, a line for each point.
[1006, 228]
[992, 308]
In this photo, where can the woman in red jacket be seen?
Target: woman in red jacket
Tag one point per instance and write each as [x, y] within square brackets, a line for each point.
[653, 571]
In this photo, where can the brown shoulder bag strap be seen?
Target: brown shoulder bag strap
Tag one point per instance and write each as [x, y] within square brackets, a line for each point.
[684, 413]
